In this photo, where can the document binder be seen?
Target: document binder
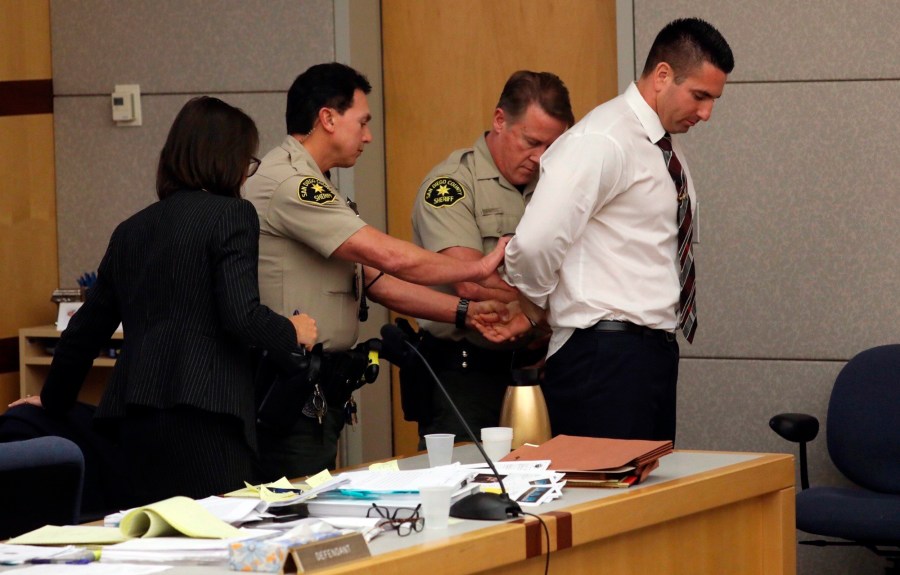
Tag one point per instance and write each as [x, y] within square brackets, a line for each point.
[593, 461]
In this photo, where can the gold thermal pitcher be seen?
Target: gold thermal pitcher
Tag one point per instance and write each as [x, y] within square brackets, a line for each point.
[524, 409]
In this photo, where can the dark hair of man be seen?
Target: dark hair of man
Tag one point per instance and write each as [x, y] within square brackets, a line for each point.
[542, 88]
[685, 44]
[208, 148]
[329, 85]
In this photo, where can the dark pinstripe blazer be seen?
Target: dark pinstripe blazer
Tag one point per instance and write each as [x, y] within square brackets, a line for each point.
[181, 275]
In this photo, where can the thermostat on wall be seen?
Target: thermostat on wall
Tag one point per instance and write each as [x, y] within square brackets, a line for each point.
[126, 105]
[122, 106]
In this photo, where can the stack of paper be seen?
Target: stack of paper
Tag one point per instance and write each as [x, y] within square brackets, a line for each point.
[406, 481]
[336, 504]
[387, 489]
[158, 525]
[601, 462]
[19, 554]
[177, 550]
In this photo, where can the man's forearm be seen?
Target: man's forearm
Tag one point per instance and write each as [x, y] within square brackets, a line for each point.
[414, 300]
[479, 292]
[406, 261]
[491, 287]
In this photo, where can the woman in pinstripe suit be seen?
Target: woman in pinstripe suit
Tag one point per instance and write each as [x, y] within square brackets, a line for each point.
[181, 276]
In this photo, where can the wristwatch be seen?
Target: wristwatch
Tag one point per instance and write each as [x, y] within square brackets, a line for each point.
[462, 309]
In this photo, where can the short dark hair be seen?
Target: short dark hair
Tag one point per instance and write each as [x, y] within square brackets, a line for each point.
[330, 85]
[545, 89]
[685, 44]
[208, 148]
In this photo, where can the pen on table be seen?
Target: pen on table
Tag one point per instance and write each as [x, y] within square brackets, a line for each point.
[284, 489]
[48, 561]
[84, 558]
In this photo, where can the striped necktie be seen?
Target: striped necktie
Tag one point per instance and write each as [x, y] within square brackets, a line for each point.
[687, 308]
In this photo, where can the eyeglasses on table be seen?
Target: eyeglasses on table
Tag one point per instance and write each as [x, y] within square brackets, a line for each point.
[404, 519]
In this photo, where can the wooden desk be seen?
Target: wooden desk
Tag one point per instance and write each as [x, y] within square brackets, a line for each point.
[699, 513]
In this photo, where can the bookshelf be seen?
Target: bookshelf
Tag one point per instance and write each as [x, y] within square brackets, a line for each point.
[35, 344]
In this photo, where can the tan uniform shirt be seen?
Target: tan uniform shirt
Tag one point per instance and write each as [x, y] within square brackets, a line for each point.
[465, 201]
[302, 220]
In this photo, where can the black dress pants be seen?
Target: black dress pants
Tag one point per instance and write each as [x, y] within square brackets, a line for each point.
[613, 384]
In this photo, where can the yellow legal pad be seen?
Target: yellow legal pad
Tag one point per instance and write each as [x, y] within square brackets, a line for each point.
[173, 516]
[70, 535]
[176, 516]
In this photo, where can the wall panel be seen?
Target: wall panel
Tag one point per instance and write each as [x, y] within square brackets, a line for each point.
[25, 45]
[798, 193]
[787, 41]
[251, 51]
[27, 222]
[188, 46]
[27, 202]
[110, 172]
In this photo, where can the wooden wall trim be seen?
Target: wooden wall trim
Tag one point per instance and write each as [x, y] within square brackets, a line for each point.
[9, 354]
[24, 97]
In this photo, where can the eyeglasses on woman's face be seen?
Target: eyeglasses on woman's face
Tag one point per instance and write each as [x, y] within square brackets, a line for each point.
[254, 165]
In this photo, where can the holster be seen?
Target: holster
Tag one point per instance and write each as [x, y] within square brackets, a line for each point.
[281, 390]
[416, 384]
[281, 394]
[343, 372]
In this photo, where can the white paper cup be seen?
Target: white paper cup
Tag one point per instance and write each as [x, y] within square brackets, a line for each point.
[436, 505]
[497, 441]
[440, 448]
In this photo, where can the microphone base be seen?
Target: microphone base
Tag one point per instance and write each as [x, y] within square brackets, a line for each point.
[485, 506]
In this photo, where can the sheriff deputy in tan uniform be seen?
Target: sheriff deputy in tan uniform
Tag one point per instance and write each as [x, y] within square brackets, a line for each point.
[464, 206]
[311, 244]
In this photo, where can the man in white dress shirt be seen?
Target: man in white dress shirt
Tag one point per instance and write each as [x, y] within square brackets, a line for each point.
[595, 253]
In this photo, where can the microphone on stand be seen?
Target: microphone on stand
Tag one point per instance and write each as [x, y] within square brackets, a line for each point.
[492, 506]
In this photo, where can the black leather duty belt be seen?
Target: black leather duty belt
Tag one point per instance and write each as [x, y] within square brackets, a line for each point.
[628, 327]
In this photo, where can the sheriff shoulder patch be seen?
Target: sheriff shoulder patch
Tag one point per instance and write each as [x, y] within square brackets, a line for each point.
[315, 191]
[443, 192]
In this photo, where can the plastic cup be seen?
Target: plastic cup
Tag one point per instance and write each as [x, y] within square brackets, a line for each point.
[497, 441]
[436, 505]
[440, 448]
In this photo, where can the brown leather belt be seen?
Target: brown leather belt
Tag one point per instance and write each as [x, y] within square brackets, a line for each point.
[628, 327]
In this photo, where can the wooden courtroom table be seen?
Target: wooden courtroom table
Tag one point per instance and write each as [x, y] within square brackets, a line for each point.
[699, 513]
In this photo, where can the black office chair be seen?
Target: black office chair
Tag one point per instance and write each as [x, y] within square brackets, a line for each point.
[863, 435]
[40, 484]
